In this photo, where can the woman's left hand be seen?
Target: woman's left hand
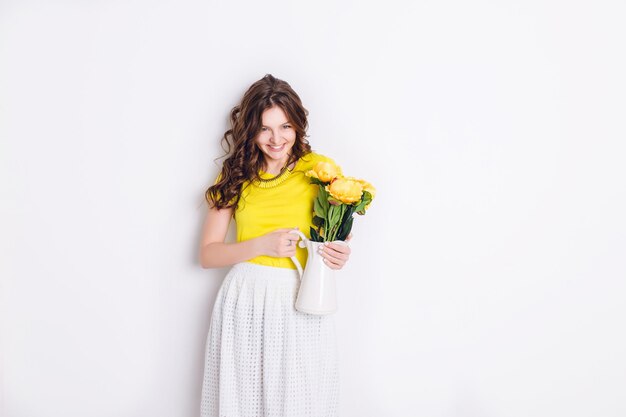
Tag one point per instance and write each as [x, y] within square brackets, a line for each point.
[335, 254]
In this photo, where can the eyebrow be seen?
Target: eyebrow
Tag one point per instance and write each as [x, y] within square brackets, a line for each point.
[283, 123]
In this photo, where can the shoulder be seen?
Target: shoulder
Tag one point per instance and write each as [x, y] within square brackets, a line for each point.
[309, 160]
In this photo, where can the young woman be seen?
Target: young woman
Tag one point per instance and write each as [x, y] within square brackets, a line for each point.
[264, 358]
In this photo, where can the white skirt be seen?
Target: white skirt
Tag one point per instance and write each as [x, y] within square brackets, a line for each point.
[263, 358]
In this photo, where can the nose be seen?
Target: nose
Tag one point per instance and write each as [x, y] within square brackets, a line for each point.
[274, 138]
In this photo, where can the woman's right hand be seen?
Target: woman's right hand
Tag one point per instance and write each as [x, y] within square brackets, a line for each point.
[279, 243]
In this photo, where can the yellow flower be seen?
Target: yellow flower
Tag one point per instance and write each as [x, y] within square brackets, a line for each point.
[346, 190]
[370, 189]
[366, 186]
[324, 171]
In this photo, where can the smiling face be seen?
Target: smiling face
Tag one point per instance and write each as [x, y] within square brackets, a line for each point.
[275, 139]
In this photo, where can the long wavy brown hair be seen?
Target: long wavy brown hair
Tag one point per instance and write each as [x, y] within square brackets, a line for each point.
[244, 158]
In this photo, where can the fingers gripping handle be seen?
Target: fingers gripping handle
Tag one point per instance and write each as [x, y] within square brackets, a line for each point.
[302, 244]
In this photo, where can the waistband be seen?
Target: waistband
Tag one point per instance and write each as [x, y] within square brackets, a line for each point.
[264, 271]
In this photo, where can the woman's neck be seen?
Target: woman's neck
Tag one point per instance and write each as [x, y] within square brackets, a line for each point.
[275, 168]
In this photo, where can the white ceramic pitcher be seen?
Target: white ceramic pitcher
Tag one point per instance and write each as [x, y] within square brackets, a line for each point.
[318, 290]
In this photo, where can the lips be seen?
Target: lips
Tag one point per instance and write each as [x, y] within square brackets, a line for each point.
[280, 148]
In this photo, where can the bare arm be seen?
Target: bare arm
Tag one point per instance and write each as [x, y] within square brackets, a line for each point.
[215, 253]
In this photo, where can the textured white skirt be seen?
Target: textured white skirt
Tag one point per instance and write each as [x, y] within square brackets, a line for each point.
[263, 358]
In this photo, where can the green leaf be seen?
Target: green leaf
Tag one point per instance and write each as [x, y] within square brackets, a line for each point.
[338, 214]
[319, 209]
[329, 223]
[345, 220]
[318, 221]
[335, 215]
[367, 197]
[331, 216]
[323, 196]
[365, 200]
[314, 236]
[346, 227]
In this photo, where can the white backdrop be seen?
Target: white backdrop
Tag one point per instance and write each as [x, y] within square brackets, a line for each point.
[487, 279]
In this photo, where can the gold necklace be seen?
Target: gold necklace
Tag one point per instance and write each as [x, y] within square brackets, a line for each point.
[276, 180]
[282, 171]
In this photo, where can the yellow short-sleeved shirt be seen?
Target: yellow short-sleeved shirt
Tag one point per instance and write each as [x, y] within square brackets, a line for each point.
[285, 201]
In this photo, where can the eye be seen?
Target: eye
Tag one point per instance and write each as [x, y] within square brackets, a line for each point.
[287, 126]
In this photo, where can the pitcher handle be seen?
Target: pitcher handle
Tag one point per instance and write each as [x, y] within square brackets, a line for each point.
[302, 244]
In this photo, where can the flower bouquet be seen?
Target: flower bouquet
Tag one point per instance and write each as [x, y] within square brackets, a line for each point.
[339, 197]
[336, 202]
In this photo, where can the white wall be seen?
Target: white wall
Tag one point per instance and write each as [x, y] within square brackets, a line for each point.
[487, 280]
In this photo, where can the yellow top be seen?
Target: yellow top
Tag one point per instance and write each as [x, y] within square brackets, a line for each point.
[286, 201]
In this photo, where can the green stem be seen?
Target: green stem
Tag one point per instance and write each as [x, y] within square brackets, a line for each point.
[325, 229]
[335, 227]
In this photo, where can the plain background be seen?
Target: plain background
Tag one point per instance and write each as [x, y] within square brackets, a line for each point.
[487, 279]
